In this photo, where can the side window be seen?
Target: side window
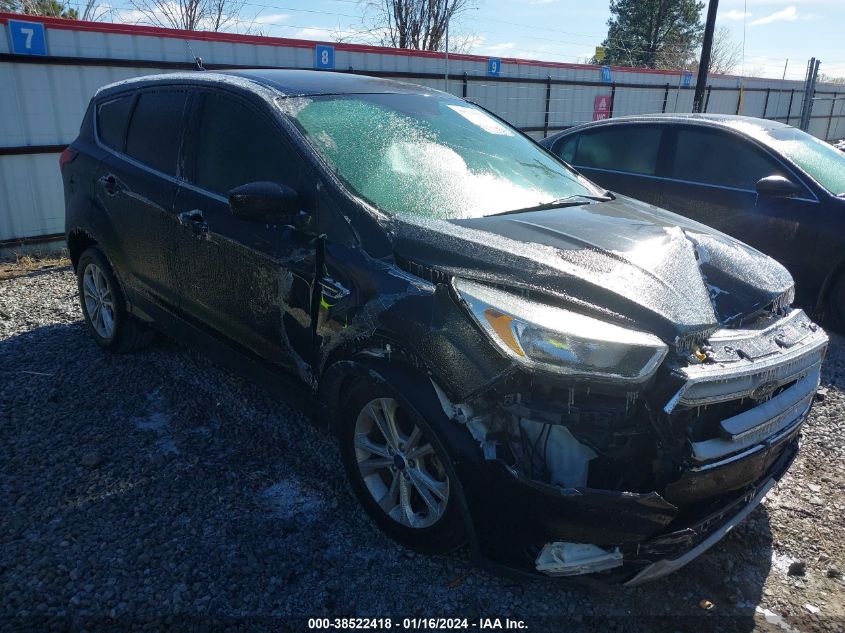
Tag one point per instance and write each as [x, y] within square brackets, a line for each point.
[237, 145]
[716, 158]
[112, 117]
[565, 148]
[155, 129]
[631, 148]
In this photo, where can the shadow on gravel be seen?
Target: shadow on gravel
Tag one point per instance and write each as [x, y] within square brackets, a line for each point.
[158, 488]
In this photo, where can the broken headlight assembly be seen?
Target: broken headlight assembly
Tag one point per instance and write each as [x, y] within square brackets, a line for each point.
[557, 340]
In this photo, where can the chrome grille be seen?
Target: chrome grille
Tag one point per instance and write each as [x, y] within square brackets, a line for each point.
[782, 358]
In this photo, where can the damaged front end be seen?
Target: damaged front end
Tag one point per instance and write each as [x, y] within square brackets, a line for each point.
[633, 474]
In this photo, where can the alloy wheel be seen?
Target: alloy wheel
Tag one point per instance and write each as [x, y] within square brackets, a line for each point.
[99, 301]
[399, 466]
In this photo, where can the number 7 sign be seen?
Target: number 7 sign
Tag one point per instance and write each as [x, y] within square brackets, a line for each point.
[27, 38]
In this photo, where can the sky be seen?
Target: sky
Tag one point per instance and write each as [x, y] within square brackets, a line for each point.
[773, 31]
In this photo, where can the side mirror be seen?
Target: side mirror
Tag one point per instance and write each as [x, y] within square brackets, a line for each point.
[777, 187]
[264, 202]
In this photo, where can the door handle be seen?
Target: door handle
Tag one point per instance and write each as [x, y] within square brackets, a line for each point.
[195, 220]
[110, 184]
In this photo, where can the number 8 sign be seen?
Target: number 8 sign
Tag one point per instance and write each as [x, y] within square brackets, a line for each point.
[27, 38]
[324, 57]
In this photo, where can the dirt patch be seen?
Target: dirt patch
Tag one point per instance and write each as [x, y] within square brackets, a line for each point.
[28, 264]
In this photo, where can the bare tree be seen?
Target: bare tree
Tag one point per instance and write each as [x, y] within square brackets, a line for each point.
[417, 24]
[93, 11]
[191, 15]
[726, 53]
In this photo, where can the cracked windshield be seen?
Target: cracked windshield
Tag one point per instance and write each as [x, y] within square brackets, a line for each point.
[433, 157]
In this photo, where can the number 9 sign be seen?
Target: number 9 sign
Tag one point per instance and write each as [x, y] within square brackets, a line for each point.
[494, 67]
[324, 57]
[27, 38]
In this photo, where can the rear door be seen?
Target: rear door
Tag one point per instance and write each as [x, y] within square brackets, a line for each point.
[137, 185]
[712, 178]
[625, 158]
[247, 280]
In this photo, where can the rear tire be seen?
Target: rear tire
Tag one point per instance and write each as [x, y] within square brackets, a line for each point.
[104, 306]
[403, 478]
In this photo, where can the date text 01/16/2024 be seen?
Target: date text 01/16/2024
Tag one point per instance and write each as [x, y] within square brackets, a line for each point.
[412, 624]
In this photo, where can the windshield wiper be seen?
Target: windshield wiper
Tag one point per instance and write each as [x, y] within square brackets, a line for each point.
[569, 201]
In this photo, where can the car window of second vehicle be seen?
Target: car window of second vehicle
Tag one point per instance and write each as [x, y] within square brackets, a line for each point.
[629, 148]
[236, 145]
[713, 157]
[822, 161]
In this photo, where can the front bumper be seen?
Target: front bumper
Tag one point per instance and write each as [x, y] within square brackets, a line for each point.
[745, 442]
[666, 566]
[655, 536]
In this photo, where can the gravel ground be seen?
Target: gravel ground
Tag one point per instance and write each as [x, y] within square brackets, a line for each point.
[159, 490]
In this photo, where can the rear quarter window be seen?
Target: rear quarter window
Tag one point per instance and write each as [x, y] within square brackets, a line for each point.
[112, 117]
[631, 149]
[156, 128]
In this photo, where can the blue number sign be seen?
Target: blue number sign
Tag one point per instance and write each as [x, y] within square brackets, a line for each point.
[494, 67]
[324, 57]
[27, 38]
[687, 79]
[605, 74]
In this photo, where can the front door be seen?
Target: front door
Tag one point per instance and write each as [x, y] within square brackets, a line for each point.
[250, 281]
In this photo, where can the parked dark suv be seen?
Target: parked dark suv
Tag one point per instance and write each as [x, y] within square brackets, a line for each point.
[768, 184]
[509, 355]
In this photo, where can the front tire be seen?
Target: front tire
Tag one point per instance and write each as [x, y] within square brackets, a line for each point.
[104, 306]
[400, 472]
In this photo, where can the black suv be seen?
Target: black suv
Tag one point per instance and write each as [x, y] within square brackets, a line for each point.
[511, 356]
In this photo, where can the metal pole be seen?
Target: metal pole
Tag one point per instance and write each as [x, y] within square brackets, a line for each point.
[830, 116]
[704, 63]
[678, 93]
[548, 103]
[809, 93]
[665, 97]
[789, 109]
[612, 99]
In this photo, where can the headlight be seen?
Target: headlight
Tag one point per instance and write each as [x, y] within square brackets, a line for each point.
[558, 340]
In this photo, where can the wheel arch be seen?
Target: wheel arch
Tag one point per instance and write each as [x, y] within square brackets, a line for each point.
[78, 240]
[416, 392]
[836, 271]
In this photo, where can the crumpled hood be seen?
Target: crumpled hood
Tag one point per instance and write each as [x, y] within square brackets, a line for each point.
[629, 260]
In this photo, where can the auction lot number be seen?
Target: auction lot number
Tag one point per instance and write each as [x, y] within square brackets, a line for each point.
[413, 624]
